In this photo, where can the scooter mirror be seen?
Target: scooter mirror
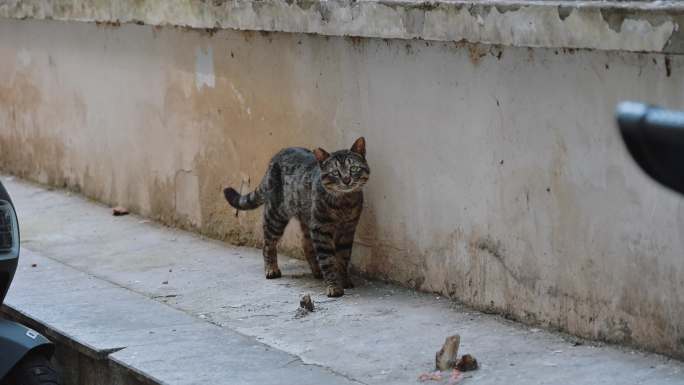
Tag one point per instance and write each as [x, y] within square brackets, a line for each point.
[655, 139]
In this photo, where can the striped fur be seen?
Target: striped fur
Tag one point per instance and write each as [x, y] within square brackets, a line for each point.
[323, 192]
[244, 202]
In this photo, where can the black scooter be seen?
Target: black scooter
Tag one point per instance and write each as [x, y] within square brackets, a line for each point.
[24, 353]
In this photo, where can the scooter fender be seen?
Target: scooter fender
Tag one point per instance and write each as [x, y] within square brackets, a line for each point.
[16, 340]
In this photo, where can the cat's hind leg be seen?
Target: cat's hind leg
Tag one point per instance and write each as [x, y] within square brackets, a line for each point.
[309, 253]
[274, 225]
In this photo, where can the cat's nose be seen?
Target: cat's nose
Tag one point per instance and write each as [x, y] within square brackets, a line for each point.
[346, 180]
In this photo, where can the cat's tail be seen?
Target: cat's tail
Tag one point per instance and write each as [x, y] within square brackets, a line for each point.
[271, 184]
[244, 202]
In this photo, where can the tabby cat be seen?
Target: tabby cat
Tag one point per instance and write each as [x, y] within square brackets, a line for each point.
[321, 190]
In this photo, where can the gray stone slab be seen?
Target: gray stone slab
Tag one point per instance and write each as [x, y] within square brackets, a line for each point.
[213, 356]
[93, 312]
[147, 336]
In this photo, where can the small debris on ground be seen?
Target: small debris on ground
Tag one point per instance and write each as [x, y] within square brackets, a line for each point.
[447, 356]
[165, 296]
[119, 211]
[306, 306]
[165, 283]
[306, 303]
[433, 376]
[34, 264]
[455, 377]
[467, 363]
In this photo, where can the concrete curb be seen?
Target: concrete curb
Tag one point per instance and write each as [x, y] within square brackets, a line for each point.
[80, 363]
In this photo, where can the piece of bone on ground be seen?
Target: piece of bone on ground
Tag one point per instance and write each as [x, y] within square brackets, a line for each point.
[306, 303]
[306, 306]
[446, 358]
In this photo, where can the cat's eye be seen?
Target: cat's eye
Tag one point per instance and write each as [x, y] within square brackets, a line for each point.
[355, 169]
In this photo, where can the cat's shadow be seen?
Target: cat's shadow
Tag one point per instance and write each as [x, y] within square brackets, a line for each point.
[300, 275]
[294, 275]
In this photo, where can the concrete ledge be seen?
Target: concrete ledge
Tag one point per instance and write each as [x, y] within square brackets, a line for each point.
[611, 25]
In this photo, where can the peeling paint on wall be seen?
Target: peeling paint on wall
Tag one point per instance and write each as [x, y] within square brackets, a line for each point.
[240, 98]
[204, 68]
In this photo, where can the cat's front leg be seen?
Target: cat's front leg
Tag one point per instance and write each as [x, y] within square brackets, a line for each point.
[344, 240]
[324, 247]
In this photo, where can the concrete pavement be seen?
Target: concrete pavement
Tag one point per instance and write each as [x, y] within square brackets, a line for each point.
[152, 297]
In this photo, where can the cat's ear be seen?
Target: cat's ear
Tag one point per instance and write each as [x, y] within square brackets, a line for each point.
[359, 146]
[321, 154]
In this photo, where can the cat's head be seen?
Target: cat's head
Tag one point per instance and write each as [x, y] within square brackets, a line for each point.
[344, 171]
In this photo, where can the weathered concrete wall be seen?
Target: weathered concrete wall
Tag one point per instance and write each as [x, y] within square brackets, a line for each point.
[498, 175]
[638, 26]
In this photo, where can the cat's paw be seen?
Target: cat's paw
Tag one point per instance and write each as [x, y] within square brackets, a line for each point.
[273, 272]
[334, 291]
